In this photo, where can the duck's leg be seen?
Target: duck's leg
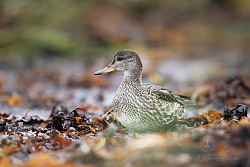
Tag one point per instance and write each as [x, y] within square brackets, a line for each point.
[106, 117]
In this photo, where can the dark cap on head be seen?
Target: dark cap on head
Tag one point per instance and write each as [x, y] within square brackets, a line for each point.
[126, 54]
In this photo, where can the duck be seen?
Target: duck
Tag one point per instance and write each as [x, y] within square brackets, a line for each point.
[143, 107]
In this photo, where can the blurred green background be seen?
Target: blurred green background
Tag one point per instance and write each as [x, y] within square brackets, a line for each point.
[85, 28]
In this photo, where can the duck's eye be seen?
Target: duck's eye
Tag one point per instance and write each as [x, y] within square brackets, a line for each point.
[120, 58]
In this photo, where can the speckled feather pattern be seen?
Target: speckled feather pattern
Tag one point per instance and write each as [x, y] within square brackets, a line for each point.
[146, 107]
[143, 107]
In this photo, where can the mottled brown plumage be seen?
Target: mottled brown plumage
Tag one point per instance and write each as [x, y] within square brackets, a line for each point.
[143, 107]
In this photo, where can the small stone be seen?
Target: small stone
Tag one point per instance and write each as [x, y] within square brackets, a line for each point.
[72, 129]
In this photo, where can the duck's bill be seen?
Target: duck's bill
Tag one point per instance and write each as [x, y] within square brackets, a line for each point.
[106, 70]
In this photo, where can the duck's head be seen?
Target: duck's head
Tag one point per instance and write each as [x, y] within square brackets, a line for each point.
[126, 61]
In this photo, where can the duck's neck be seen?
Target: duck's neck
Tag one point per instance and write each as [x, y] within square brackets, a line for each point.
[132, 77]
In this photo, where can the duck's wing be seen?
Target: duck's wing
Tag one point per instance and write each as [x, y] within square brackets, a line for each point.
[184, 100]
[168, 95]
